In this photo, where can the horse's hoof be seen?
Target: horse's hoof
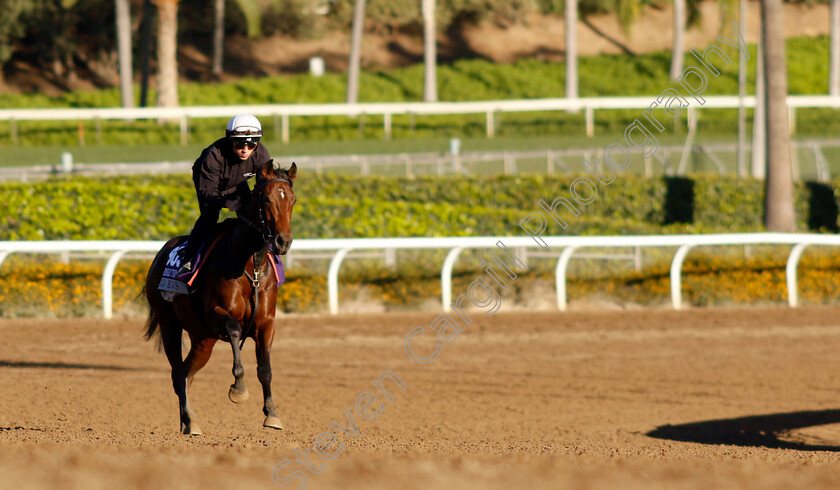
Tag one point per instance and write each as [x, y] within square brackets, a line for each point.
[192, 430]
[236, 397]
[273, 422]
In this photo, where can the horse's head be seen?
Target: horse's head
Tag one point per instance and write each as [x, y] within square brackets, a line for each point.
[274, 199]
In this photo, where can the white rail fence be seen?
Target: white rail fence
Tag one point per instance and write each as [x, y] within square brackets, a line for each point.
[808, 161]
[568, 244]
[282, 112]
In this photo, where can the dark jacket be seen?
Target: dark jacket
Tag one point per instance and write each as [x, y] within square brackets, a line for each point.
[221, 178]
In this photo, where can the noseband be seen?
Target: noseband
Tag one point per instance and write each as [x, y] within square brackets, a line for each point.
[262, 228]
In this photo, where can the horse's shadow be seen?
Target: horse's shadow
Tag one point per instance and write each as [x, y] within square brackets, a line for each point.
[64, 365]
[754, 431]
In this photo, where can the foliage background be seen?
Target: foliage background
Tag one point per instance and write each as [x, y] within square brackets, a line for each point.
[335, 206]
[158, 207]
[469, 79]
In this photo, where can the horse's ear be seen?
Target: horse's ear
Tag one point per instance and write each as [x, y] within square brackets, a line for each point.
[269, 169]
[292, 171]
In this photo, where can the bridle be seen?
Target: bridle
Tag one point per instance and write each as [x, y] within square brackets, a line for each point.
[262, 228]
[267, 237]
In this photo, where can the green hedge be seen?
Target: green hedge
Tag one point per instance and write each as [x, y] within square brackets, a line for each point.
[158, 207]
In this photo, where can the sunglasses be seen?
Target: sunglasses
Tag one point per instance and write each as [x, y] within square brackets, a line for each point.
[244, 144]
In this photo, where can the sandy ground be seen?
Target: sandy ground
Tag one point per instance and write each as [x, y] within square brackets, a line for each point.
[636, 399]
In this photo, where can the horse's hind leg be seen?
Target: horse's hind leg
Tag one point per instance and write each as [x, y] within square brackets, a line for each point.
[171, 337]
[264, 337]
[200, 351]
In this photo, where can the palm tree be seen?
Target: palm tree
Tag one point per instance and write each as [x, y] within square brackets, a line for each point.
[758, 166]
[219, 38]
[687, 14]
[124, 53]
[778, 197]
[355, 53]
[678, 49]
[571, 49]
[145, 51]
[167, 46]
[834, 53]
[253, 21]
[628, 11]
[742, 92]
[429, 52]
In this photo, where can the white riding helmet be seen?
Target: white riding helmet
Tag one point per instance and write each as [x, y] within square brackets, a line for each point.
[244, 127]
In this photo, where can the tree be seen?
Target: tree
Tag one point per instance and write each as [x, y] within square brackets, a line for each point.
[778, 198]
[145, 51]
[11, 26]
[571, 18]
[429, 52]
[742, 92]
[687, 14]
[834, 52]
[677, 48]
[219, 38]
[167, 45]
[759, 149]
[124, 53]
[253, 20]
[355, 53]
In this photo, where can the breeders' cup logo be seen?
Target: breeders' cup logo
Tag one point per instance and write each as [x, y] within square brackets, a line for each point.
[173, 262]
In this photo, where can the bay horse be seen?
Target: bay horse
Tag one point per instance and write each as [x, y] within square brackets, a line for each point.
[234, 295]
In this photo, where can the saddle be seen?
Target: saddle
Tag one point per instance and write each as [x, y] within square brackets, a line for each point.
[172, 284]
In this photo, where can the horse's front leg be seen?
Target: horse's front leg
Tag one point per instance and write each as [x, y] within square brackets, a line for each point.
[264, 337]
[238, 393]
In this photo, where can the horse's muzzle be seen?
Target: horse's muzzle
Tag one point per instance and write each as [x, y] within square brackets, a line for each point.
[282, 244]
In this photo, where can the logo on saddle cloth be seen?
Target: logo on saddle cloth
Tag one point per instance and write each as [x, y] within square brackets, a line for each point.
[169, 284]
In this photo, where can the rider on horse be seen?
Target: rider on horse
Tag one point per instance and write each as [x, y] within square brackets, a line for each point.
[221, 176]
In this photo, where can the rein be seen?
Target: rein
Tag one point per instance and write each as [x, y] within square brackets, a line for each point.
[255, 280]
[255, 295]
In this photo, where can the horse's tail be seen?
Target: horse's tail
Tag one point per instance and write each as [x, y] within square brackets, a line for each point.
[152, 327]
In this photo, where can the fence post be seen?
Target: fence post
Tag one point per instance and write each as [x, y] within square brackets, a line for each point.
[676, 273]
[98, 130]
[387, 123]
[332, 279]
[184, 130]
[790, 273]
[446, 277]
[560, 276]
[108, 284]
[14, 130]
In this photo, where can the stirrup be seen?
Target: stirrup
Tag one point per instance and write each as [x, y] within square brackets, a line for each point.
[185, 268]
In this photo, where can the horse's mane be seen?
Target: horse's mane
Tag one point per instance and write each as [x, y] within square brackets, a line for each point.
[280, 173]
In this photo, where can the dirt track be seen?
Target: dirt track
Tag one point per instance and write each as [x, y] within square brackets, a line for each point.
[519, 400]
